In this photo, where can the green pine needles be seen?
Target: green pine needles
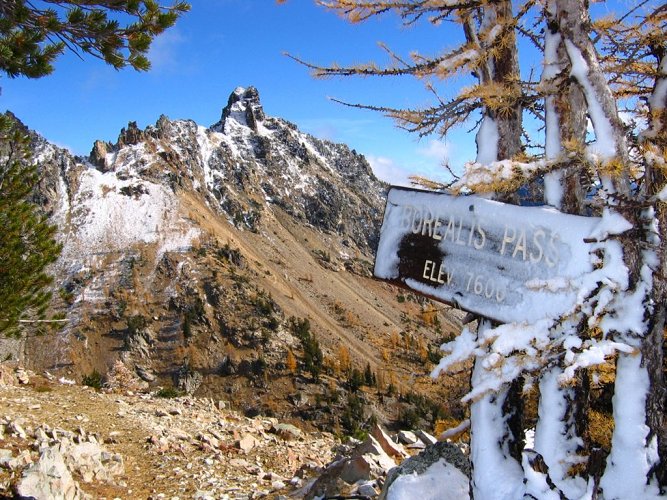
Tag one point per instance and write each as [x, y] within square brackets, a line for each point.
[27, 243]
[34, 33]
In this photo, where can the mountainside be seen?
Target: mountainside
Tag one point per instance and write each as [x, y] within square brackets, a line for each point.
[235, 262]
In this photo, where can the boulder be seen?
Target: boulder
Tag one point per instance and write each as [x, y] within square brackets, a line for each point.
[287, 431]
[144, 373]
[92, 462]
[407, 437]
[49, 478]
[426, 438]
[188, 380]
[441, 460]
[366, 490]
[390, 448]
[247, 443]
[371, 448]
[356, 469]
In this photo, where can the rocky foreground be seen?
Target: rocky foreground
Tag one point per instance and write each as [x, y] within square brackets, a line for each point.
[62, 440]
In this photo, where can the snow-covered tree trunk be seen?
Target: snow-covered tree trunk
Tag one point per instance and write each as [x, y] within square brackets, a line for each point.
[574, 27]
[557, 438]
[496, 472]
[632, 462]
[654, 345]
[496, 419]
[561, 426]
[634, 451]
[565, 120]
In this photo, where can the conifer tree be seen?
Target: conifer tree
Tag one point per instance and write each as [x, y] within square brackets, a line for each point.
[34, 33]
[27, 244]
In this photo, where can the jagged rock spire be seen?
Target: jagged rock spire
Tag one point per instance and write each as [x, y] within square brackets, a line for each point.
[244, 107]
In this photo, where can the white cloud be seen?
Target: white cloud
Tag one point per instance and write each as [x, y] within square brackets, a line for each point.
[335, 129]
[162, 53]
[426, 160]
[435, 150]
[389, 171]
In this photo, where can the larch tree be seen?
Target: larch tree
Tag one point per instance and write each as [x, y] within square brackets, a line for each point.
[601, 101]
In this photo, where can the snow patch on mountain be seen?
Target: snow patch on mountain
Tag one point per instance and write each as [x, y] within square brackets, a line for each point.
[114, 214]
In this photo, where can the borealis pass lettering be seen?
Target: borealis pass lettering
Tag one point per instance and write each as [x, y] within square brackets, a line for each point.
[536, 244]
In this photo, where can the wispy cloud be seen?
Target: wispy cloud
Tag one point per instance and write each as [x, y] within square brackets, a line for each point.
[428, 160]
[164, 50]
[335, 129]
[389, 171]
[435, 150]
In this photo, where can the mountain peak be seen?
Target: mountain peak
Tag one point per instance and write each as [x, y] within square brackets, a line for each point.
[244, 108]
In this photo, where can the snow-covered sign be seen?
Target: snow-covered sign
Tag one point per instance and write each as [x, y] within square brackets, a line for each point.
[505, 262]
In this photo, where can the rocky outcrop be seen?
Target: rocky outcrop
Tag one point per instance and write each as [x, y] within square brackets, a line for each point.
[59, 455]
[49, 477]
[130, 136]
[98, 155]
[369, 468]
[442, 453]
[363, 466]
[243, 106]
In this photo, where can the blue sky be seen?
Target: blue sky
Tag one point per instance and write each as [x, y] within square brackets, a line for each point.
[222, 44]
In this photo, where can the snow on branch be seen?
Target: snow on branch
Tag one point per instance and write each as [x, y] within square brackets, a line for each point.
[611, 311]
[499, 176]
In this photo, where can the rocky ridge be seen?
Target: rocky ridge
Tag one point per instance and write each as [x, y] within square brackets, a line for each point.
[220, 262]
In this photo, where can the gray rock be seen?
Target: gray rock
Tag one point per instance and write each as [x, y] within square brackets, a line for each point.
[210, 440]
[49, 478]
[287, 431]
[418, 464]
[407, 437]
[426, 438]
[18, 430]
[371, 448]
[92, 462]
[188, 380]
[390, 448]
[356, 469]
[144, 373]
[277, 485]
[5, 458]
[367, 490]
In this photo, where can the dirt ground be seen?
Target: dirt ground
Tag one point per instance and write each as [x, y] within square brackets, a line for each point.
[171, 448]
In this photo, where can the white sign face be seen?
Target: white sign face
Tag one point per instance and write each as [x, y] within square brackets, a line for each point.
[505, 262]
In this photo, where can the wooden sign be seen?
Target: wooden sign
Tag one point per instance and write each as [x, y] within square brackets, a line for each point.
[505, 262]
